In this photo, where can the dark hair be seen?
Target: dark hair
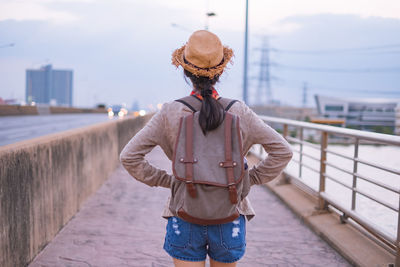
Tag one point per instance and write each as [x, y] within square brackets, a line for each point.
[211, 112]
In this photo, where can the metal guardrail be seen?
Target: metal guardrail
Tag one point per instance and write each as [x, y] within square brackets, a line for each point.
[325, 201]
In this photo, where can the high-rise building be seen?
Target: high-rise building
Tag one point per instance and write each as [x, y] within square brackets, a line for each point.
[49, 86]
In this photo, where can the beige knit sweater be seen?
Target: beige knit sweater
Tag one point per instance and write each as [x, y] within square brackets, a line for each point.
[162, 130]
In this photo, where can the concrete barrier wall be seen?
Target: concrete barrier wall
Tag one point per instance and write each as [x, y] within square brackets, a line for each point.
[7, 110]
[44, 181]
[62, 110]
[11, 110]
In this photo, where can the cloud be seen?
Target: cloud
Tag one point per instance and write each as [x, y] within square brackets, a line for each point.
[120, 50]
[33, 10]
[263, 15]
[267, 15]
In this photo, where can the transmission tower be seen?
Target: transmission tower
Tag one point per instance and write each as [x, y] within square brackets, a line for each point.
[304, 94]
[264, 91]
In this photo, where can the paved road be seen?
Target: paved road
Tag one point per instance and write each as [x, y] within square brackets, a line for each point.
[121, 225]
[18, 128]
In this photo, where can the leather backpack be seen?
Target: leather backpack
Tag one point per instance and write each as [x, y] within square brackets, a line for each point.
[210, 173]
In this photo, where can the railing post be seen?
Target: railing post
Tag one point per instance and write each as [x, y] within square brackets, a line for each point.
[301, 152]
[285, 130]
[324, 144]
[355, 164]
[284, 178]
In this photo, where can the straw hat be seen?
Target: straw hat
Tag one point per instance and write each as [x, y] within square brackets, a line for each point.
[203, 55]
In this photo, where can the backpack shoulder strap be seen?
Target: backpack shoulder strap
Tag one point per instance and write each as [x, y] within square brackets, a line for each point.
[191, 102]
[194, 103]
[186, 104]
[227, 103]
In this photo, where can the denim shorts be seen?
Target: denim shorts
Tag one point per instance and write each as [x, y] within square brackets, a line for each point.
[192, 242]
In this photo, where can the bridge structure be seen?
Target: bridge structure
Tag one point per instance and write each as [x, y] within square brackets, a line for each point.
[66, 201]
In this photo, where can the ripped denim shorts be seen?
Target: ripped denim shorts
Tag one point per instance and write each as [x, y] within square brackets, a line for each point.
[192, 242]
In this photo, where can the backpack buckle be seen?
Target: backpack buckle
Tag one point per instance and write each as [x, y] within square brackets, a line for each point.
[228, 164]
[186, 160]
[232, 193]
[191, 188]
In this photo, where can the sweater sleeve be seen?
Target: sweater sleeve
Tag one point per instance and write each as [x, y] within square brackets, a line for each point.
[278, 149]
[133, 154]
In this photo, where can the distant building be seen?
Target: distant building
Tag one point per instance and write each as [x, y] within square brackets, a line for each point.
[287, 112]
[364, 114]
[49, 86]
[8, 101]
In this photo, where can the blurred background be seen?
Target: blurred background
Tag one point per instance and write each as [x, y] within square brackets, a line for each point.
[334, 62]
[119, 52]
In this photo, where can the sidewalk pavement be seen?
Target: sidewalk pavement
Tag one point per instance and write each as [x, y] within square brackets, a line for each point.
[121, 225]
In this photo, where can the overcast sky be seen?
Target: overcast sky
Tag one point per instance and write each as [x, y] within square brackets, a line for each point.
[120, 50]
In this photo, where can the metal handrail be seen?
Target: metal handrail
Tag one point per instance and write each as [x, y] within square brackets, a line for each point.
[378, 166]
[366, 162]
[305, 154]
[377, 137]
[388, 187]
[324, 199]
[363, 177]
[302, 142]
[305, 165]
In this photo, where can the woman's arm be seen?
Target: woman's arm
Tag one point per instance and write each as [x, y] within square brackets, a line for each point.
[132, 156]
[278, 149]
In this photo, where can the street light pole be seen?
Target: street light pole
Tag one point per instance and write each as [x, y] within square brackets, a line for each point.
[208, 15]
[245, 97]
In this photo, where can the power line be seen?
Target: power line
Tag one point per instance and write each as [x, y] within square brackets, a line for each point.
[371, 53]
[339, 70]
[363, 91]
[320, 53]
[371, 50]
[314, 88]
[331, 51]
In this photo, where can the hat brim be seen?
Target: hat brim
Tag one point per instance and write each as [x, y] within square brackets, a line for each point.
[178, 60]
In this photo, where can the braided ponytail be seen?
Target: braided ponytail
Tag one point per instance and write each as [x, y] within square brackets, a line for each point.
[211, 112]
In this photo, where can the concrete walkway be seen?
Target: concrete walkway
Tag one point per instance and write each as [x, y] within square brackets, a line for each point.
[121, 225]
